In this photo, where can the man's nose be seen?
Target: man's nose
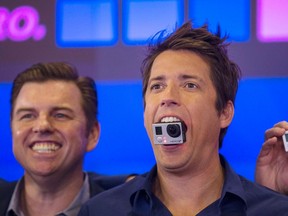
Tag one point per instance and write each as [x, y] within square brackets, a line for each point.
[42, 125]
[170, 97]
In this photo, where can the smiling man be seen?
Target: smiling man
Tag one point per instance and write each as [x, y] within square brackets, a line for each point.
[188, 80]
[54, 123]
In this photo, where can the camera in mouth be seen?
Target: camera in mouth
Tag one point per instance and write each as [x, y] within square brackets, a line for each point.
[169, 133]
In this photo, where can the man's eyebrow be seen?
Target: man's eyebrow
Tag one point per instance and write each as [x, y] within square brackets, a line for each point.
[59, 108]
[24, 110]
[157, 78]
[187, 76]
[20, 110]
[181, 77]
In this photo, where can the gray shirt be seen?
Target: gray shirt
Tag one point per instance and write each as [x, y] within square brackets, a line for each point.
[71, 210]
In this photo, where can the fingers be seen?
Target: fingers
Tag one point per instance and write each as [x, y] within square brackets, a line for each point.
[269, 143]
[282, 124]
[277, 131]
[268, 146]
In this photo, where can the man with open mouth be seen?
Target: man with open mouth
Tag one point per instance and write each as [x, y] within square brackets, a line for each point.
[189, 89]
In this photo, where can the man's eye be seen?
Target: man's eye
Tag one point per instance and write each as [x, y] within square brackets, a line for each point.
[60, 115]
[26, 116]
[155, 87]
[190, 85]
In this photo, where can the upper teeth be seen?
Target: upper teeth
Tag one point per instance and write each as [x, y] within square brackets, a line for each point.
[169, 119]
[45, 147]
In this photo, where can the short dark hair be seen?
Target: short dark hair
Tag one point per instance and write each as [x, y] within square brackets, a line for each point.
[225, 74]
[62, 71]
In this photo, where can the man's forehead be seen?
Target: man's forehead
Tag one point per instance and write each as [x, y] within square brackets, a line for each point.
[49, 86]
[49, 82]
[50, 91]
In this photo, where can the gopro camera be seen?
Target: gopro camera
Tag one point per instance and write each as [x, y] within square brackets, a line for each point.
[285, 140]
[169, 133]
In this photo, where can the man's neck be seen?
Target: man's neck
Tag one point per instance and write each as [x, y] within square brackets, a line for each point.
[189, 194]
[46, 198]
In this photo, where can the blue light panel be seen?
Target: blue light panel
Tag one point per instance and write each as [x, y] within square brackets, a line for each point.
[142, 19]
[259, 105]
[233, 17]
[85, 23]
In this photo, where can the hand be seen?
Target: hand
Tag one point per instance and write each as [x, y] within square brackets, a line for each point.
[272, 162]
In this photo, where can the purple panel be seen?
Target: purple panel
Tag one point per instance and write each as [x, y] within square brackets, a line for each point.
[272, 19]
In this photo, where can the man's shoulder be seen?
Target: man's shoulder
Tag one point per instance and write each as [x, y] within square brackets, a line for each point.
[107, 181]
[250, 186]
[254, 195]
[123, 190]
[99, 183]
[263, 197]
[6, 191]
[7, 187]
[117, 198]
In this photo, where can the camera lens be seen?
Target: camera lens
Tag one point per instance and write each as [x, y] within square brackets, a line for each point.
[173, 130]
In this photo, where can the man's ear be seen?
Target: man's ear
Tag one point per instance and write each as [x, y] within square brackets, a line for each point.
[227, 115]
[93, 137]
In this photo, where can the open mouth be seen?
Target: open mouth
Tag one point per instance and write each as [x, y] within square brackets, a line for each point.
[45, 147]
[170, 119]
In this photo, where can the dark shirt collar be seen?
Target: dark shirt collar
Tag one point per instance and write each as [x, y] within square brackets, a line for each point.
[73, 208]
[232, 199]
[143, 201]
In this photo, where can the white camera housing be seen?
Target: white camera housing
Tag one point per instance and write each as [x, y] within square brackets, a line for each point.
[285, 140]
[169, 133]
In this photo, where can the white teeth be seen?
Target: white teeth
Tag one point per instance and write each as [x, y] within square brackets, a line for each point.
[45, 147]
[170, 119]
